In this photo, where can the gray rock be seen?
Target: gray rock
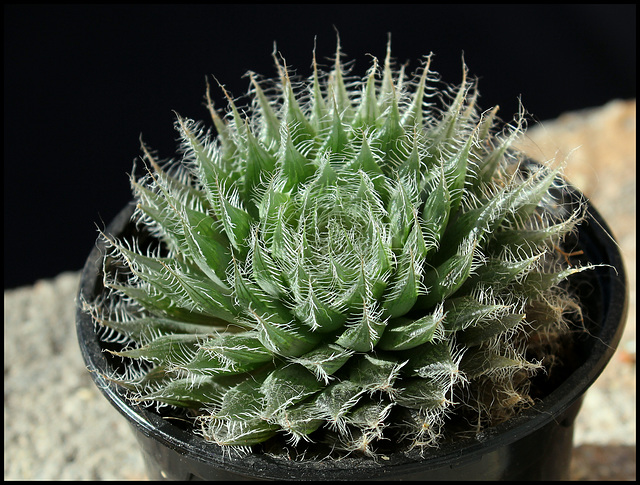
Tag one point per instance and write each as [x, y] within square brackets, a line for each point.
[57, 424]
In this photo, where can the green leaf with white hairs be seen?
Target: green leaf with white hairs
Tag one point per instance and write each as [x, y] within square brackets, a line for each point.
[286, 386]
[334, 402]
[165, 349]
[405, 333]
[390, 138]
[259, 165]
[337, 140]
[301, 128]
[297, 420]
[287, 340]
[433, 361]
[484, 331]
[338, 258]
[243, 400]
[324, 360]
[184, 286]
[411, 166]
[498, 272]
[319, 109]
[376, 373]
[465, 311]
[271, 123]
[201, 293]
[535, 284]
[370, 415]
[368, 112]
[295, 167]
[404, 290]
[159, 215]
[452, 122]
[486, 218]
[158, 304]
[529, 240]
[436, 208]
[527, 195]
[207, 246]
[316, 314]
[423, 394]
[230, 354]
[236, 222]
[146, 328]
[366, 161]
[494, 158]
[413, 117]
[479, 362]
[336, 88]
[401, 211]
[445, 279]
[266, 273]
[187, 393]
[277, 330]
[239, 421]
[240, 432]
[455, 172]
[363, 331]
[203, 152]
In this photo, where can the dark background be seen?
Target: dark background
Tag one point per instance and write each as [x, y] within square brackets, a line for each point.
[81, 83]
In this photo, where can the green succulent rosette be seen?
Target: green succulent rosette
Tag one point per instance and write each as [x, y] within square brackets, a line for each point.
[344, 261]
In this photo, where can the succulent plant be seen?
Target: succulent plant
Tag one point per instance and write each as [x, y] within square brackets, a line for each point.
[348, 260]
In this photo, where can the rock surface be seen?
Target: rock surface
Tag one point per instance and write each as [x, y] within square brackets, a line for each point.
[57, 425]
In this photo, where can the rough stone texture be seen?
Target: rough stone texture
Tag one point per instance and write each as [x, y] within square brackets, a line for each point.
[57, 425]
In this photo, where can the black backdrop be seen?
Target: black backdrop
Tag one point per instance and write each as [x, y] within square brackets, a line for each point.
[81, 83]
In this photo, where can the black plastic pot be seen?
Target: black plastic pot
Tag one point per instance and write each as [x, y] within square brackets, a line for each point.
[535, 445]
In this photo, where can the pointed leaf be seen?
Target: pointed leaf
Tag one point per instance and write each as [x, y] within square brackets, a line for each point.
[238, 353]
[286, 386]
[160, 305]
[337, 139]
[405, 333]
[265, 271]
[424, 394]
[403, 292]
[335, 401]
[368, 111]
[208, 247]
[295, 167]
[465, 311]
[375, 373]
[146, 328]
[188, 393]
[436, 209]
[325, 360]
[236, 222]
[444, 280]
[243, 401]
[364, 331]
[486, 330]
[271, 122]
[166, 349]
[297, 420]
